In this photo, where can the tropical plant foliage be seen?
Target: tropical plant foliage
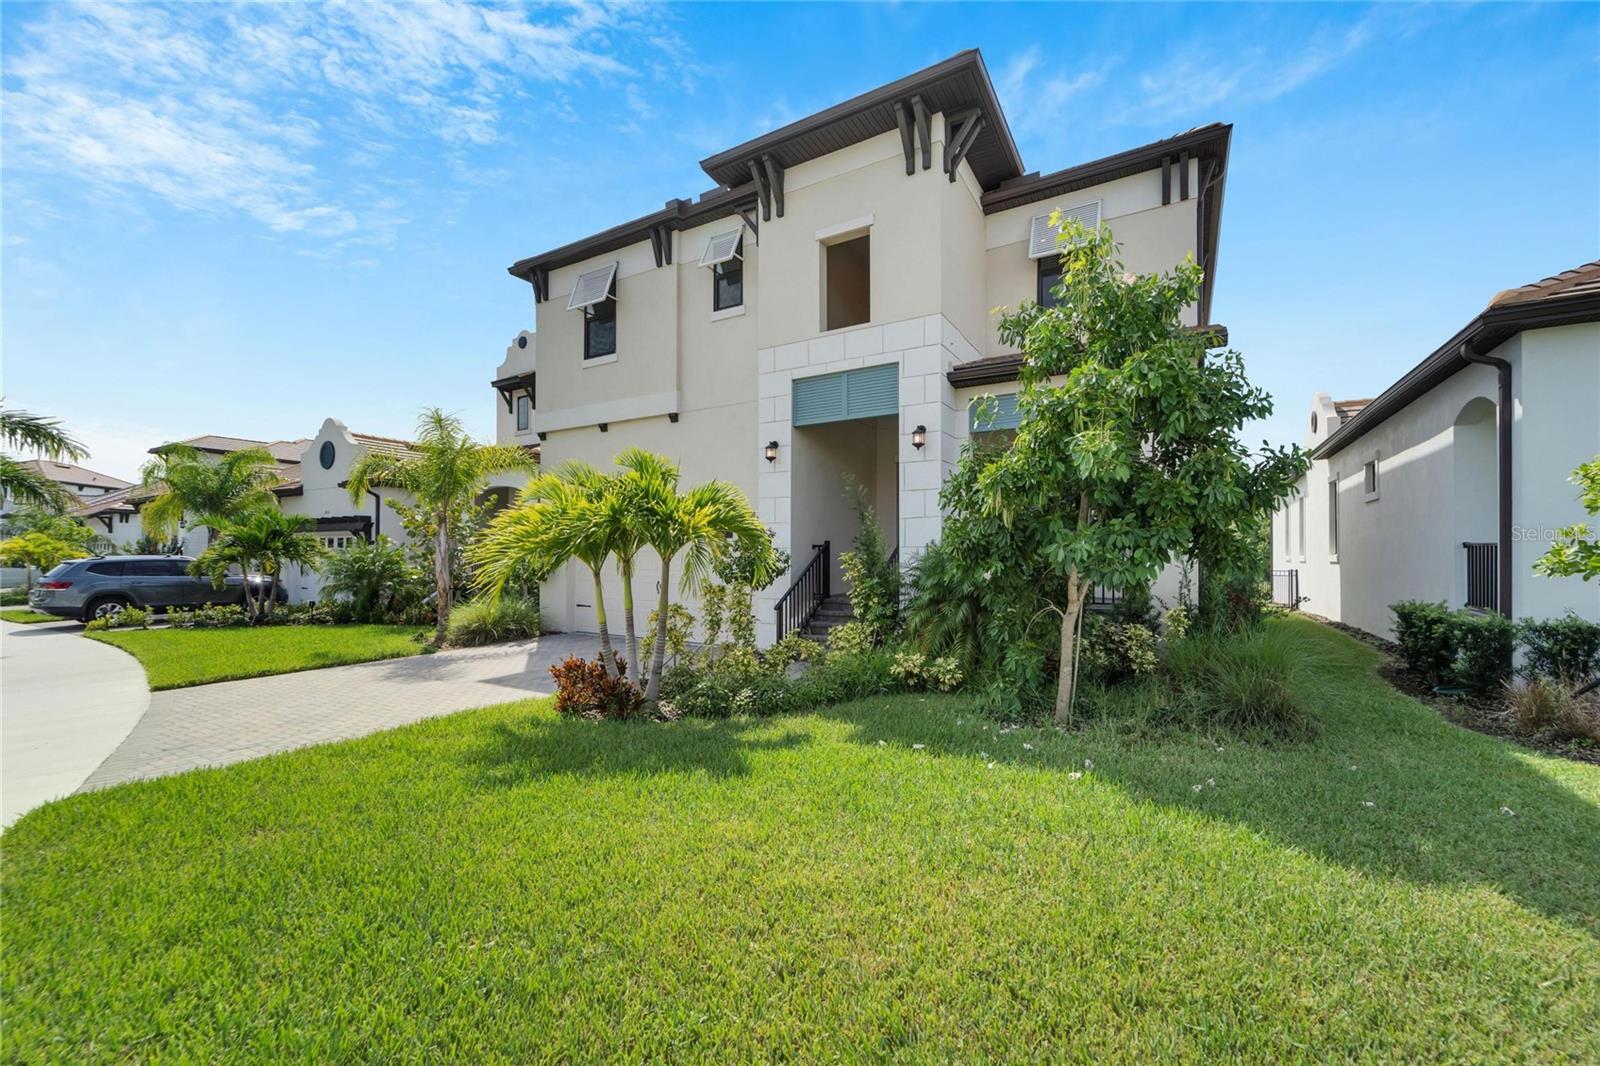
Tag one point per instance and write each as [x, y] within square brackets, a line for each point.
[1126, 458]
[205, 490]
[1577, 551]
[874, 581]
[261, 542]
[22, 431]
[444, 473]
[374, 581]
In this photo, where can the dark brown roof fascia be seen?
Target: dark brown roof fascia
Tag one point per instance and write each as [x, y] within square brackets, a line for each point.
[997, 369]
[1483, 334]
[727, 164]
[678, 215]
[1035, 187]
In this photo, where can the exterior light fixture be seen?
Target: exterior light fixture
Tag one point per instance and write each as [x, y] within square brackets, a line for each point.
[772, 451]
[919, 437]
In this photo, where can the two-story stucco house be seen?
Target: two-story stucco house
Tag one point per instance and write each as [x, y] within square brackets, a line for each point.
[825, 312]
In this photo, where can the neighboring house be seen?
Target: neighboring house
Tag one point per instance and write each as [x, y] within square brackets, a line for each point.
[80, 481]
[825, 311]
[313, 476]
[1451, 483]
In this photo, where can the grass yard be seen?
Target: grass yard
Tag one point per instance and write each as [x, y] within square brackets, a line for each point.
[891, 879]
[175, 658]
[27, 616]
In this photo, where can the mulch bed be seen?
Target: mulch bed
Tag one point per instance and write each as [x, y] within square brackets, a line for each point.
[1482, 714]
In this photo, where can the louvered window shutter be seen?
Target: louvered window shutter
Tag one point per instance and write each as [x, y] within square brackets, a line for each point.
[1002, 414]
[866, 393]
[1042, 235]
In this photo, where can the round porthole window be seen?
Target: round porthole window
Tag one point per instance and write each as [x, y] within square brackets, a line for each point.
[1313, 421]
[325, 457]
[522, 342]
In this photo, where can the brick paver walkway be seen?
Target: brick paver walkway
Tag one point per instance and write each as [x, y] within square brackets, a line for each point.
[211, 725]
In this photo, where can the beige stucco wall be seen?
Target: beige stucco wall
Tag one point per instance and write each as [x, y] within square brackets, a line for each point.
[1152, 237]
[518, 360]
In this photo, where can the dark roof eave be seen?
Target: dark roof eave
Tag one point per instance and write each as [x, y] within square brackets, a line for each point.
[1030, 189]
[678, 215]
[723, 163]
[513, 381]
[1490, 329]
[998, 369]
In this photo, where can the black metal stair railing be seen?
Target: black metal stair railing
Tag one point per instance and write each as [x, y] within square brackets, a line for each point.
[813, 585]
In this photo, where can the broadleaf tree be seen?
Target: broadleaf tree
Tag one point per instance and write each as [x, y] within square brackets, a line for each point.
[1127, 456]
[1576, 552]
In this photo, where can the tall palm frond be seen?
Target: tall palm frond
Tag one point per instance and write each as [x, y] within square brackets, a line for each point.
[28, 432]
[444, 473]
[261, 541]
[208, 491]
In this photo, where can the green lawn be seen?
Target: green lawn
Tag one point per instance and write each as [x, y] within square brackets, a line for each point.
[883, 880]
[27, 616]
[175, 658]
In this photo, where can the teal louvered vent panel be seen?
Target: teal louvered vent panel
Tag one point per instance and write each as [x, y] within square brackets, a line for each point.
[866, 393]
[1002, 414]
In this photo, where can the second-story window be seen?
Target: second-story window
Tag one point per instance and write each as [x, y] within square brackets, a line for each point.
[524, 413]
[600, 328]
[1049, 278]
[724, 254]
[728, 287]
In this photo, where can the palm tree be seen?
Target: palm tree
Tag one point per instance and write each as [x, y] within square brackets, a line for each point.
[444, 473]
[260, 542]
[210, 491]
[697, 525]
[22, 431]
[559, 516]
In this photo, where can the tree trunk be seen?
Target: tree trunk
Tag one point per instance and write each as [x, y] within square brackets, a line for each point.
[441, 578]
[626, 566]
[1067, 672]
[608, 659]
[658, 656]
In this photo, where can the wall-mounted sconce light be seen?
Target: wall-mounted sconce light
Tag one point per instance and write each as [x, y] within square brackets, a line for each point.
[772, 451]
[919, 437]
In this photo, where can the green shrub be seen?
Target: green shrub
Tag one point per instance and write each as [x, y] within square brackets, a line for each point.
[1484, 645]
[944, 673]
[1175, 623]
[485, 621]
[1116, 651]
[585, 690]
[874, 581]
[852, 638]
[1562, 649]
[215, 616]
[907, 668]
[127, 618]
[1426, 635]
[1246, 681]
[13, 597]
[943, 607]
[680, 628]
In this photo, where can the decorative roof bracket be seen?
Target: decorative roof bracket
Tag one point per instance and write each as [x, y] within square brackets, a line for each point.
[966, 126]
[925, 129]
[908, 141]
[763, 190]
[775, 179]
[747, 216]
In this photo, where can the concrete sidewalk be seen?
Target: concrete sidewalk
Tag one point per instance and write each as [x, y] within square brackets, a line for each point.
[211, 725]
[65, 704]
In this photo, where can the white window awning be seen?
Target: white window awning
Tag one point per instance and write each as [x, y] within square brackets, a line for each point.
[722, 247]
[592, 287]
[1042, 235]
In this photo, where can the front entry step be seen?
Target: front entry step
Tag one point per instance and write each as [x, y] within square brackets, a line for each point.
[833, 612]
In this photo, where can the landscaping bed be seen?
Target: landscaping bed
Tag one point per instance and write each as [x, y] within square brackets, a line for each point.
[175, 657]
[893, 878]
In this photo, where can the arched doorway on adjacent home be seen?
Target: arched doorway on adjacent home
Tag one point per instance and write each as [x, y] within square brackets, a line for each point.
[1474, 460]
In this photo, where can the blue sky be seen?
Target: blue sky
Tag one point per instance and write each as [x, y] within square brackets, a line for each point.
[242, 219]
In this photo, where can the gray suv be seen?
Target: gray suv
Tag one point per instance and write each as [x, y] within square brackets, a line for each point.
[93, 588]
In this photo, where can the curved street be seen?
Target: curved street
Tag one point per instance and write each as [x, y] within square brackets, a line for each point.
[66, 703]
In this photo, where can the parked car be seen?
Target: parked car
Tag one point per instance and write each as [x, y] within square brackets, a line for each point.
[101, 586]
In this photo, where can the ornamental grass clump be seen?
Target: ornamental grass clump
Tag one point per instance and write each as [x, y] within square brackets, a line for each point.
[490, 621]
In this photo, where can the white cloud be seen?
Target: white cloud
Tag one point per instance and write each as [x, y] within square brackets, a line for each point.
[1035, 97]
[1204, 78]
[254, 109]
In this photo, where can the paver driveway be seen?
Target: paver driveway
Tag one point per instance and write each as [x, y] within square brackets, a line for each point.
[210, 725]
